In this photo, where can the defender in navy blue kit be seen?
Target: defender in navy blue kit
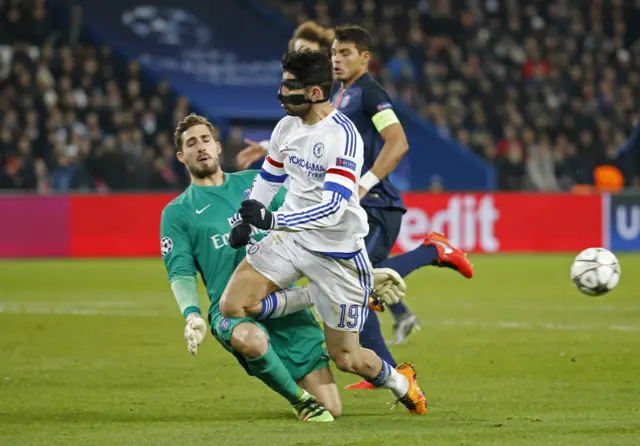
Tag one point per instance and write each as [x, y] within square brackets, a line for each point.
[369, 107]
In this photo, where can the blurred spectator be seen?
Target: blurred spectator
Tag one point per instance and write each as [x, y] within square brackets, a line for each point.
[541, 168]
[75, 117]
[510, 166]
[547, 92]
[551, 83]
[230, 148]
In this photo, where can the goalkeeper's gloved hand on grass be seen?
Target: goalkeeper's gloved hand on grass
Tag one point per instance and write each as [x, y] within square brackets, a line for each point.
[194, 332]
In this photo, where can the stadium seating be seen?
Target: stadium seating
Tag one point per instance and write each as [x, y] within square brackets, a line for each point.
[545, 90]
[74, 116]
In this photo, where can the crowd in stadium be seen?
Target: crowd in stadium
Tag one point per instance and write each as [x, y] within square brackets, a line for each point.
[545, 91]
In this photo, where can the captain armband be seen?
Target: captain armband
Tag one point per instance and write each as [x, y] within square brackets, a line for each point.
[384, 119]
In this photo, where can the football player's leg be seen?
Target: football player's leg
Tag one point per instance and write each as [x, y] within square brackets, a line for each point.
[265, 270]
[384, 227]
[340, 291]
[299, 341]
[371, 338]
[321, 384]
[282, 303]
[350, 357]
[250, 343]
[436, 250]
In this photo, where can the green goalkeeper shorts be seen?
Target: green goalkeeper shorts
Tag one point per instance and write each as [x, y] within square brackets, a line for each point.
[296, 338]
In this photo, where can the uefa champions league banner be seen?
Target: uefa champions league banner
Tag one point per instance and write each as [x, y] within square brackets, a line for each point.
[94, 225]
[622, 223]
[222, 55]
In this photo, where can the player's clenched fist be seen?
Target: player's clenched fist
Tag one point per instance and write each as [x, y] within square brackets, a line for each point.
[194, 332]
[255, 213]
[240, 235]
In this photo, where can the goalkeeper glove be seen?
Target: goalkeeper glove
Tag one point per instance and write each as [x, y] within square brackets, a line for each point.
[194, 332]
[388, 286]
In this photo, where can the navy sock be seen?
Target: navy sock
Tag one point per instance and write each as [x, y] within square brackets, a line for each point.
[399, 309]
[371, 338]
[406, 263]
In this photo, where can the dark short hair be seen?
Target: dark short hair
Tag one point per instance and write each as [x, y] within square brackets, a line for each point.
[311, 67]
[189, 121]
[356, 35]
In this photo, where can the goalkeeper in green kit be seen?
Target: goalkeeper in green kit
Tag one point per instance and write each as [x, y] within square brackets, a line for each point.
[284, 348]
[285, 353]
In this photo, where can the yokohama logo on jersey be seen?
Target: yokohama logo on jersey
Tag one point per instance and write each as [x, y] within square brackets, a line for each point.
[504, 222]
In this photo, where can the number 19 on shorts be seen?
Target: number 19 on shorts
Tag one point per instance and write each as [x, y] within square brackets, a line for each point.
[349, 315]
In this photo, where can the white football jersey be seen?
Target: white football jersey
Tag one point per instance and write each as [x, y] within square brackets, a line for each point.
[321, 164]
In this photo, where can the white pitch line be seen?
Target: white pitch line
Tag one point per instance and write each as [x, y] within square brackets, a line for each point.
[50, 309]
[530, 325]
[77, 303]
[542, 308]
[77, 311]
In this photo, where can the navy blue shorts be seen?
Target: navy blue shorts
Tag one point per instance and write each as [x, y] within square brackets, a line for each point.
[384, 227]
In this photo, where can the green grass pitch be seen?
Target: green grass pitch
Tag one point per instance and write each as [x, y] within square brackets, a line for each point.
[91, 353]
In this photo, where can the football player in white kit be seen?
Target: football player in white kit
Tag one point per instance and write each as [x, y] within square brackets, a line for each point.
[319, 231]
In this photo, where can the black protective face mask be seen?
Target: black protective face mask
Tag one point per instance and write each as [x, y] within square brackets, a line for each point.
[295, 99]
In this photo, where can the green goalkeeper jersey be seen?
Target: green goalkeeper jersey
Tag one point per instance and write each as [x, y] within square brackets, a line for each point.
[194, 232]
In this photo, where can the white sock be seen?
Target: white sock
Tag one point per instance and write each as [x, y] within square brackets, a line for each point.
[285, 302]
[398, 384]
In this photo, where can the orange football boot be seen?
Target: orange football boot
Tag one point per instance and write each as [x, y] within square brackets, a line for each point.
[414, 400]
[449, 256]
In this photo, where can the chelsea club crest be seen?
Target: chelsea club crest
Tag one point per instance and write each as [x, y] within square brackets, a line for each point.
[318, 149]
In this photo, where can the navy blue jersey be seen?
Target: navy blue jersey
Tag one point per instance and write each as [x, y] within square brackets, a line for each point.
[361, 101]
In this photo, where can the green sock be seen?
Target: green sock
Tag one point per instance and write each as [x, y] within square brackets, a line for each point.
[271, 371]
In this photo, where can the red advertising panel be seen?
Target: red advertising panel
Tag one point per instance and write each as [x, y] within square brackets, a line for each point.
[128, 225]
[519, 222]
[116, 225]
[33, 226]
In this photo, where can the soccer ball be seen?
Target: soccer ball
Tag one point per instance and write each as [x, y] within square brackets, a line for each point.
[595, 271]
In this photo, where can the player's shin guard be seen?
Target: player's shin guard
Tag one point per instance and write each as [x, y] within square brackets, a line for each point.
[269, 369]
[285, 302]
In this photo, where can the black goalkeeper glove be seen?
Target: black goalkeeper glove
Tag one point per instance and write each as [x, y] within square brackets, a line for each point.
[240, 235]
[255, 213]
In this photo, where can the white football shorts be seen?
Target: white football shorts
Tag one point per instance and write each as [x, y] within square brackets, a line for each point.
[339, 288]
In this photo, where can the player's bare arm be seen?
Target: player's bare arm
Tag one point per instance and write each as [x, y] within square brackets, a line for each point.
[394, 149]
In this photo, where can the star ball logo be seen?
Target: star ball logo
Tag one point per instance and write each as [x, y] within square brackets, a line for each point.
[166, 245]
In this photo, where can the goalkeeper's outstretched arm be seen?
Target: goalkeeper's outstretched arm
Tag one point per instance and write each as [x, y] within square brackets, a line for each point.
[178, 259]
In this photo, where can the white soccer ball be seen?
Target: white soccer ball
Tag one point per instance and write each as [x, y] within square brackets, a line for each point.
[595, 271]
